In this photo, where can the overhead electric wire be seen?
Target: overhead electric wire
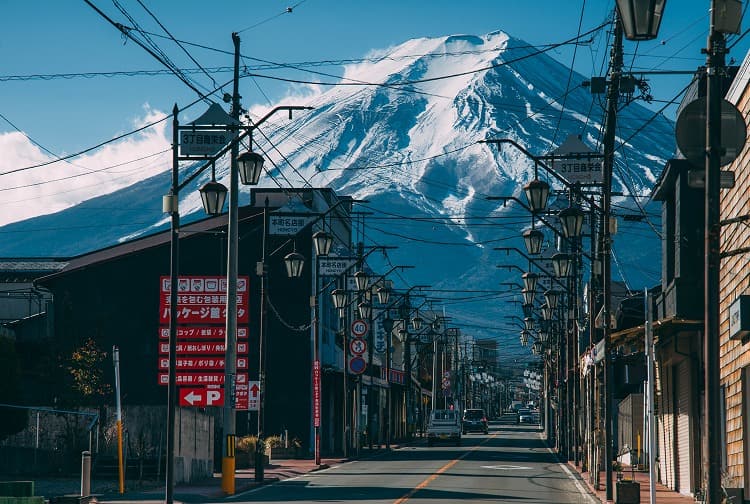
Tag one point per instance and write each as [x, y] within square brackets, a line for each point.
[126, 32]
[570, 76]
[288, 10]
[101, 144]
[177, 42]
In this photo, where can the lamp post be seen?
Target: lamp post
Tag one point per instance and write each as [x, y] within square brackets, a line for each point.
[322, 242]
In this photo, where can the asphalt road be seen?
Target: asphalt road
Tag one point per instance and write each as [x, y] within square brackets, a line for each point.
[511, 464]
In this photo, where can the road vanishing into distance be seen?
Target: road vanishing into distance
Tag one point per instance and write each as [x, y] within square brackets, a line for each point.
[510, 464]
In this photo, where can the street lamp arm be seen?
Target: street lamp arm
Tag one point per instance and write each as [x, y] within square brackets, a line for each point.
[533, 261]
[247, 132]
[538, 162]
[349, 268]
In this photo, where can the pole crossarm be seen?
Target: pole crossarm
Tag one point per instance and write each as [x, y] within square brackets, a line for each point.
[227, 148]
[356, 264]
[537, 215]
[538, 162]
[533, 261]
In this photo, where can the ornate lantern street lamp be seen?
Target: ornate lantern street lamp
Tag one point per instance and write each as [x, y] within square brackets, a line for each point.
[213, 195]
[528, 296]
[571, 219]
[339, 298]
[641, 18]
[528, 324]
[537, 193]
[250, 165]
[322, 242]
[365, 310]
[294, 263]
[552, 297]
[562, 264]
[361, 279]
[384, 294]
[524, 338]
[533, 239]
[529, 281]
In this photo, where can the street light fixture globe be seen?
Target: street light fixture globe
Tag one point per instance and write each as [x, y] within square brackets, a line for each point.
[561, 264]
[384, 294]
[213, 195]
[416, 323]
[323, 243]
[536, 348]
[524, 338]
[641, 18]
[533, 239]
[361, 279]
[250, 166]
[528, 323]
[571, 219]
[365, 310]
[546, 312]
[528, 296]
[543, 335]
[552, 297]
[537, 193]
[339, 298]
[530, 280]
[294, 263]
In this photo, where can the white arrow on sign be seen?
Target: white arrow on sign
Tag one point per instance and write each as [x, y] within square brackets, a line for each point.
[192, 397]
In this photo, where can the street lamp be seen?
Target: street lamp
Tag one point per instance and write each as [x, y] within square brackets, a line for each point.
[537, 193]
[562, 264]
[250, 166]
[384, 294]
[552, 297]
[213, 195]
[339, 298]
[571, 219]
[641, 18]
[533, 240]
[524, 337]
[528, 296]
[361, 279]
[322, 242]
[528, 323]
[294, 263]
[530, 280]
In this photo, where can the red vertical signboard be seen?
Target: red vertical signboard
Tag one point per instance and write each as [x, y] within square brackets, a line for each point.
[201, 339]
[316, 393]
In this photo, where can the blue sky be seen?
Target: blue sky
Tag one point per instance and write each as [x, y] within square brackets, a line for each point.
[66, 115]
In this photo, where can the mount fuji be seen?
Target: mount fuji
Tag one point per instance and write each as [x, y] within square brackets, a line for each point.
[402, 131]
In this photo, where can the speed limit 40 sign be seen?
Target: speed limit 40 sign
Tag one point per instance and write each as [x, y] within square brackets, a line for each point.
[359, 328]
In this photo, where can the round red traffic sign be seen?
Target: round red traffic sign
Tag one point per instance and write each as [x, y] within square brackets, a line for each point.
[358, 346]
[359, 328]
[357, 365]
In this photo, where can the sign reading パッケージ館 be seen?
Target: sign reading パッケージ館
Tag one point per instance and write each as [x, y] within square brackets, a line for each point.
[202, 299]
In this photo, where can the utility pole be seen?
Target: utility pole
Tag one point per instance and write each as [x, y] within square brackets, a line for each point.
[712, 408]
[230, 360]
[613, 92]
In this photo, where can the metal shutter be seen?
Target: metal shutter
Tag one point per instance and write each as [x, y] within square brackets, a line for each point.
[683, 435]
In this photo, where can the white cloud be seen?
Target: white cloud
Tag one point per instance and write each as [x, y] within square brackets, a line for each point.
[53, 187]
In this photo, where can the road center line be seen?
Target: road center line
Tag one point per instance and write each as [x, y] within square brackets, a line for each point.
[437, 473]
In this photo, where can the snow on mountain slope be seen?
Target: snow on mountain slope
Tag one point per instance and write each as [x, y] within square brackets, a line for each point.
[404, 135]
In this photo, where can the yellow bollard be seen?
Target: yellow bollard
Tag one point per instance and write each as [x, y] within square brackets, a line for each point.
[227, 475]
[227, 467]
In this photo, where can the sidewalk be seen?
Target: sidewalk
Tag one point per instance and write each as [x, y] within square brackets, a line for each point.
[663, 494]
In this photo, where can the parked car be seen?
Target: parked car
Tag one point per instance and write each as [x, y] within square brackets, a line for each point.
[525, 416]
[474, 420]
[445, 425]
